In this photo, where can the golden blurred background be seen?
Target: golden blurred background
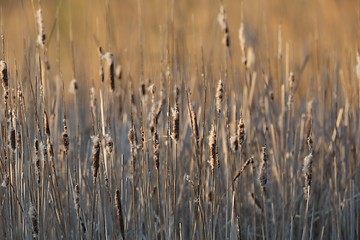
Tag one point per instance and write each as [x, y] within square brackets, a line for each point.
[138, 29]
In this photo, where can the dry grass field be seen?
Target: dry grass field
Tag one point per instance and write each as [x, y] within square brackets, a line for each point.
[186, 119]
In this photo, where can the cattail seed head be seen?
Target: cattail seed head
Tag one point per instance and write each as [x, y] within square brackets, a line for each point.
[234, 142]
[95, 155]
[307, 173]
[176, 123]
[175, 117]
[65, 137]
[5, 181]
[156, 149]
[41, 38]
[193, 122]
[46, 124]
[4, 76]
[143, 89]
[291, 85]
[92, 98]
[263, 175]
[109, 59]
[309, 142]
[222, 20]
[241, 131]
[119, 212]
[12, 125]
[34, 221]
[73, 87]
[76, 198]
[219, 95]
[37, 161]
[155, 113]
[212, 148]
[118, 72]
[242, 39]
[109, 143]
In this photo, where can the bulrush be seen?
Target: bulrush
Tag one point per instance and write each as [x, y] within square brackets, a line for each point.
[242, 40]
[73, 86]
[41, 38]
[65, 137]
[263, 174]
[234, 143]
[156, 148]
[175, 117]
[241, 131]
[219, 95]
[95, 156]
[110, 70]
[193, 122]
[119, 212]
[222, 20]
[212, 148]
[109, 144]
[37, 161]
[307, 168]
[12, 126]
[4, 76]
[34, 221]
[46, 124]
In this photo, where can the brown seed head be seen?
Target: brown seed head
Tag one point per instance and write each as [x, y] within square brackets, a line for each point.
[95, 155]
[156, 149]
[307, 173]
[241, 131]
[219, 95]
[212, 148]
[263, 178]
[34, 221]
[4, 75]
[176, 123]
[41, 38]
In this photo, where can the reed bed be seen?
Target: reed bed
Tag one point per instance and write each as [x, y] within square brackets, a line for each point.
[228, 142]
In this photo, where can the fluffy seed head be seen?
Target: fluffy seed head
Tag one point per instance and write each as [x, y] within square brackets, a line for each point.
[242, 40]
[76, 198]
[219, 95]
[307, 173]
[37, 161]
[222, 20]
[73, 87]
[95, 155]
[109, 59]
[212, 148]
[241, 131]
[193, 122]
[34, 221]
[263, 176]
[41, 38]
[4, 75]
[234, 142]
[46, 124]
[65, 137]
[109, 143]
[5, 181]
[156, 149]
[176, 123]
[119, 212]
[118, 72]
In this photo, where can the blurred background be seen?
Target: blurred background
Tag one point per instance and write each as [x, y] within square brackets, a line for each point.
[136, 30]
